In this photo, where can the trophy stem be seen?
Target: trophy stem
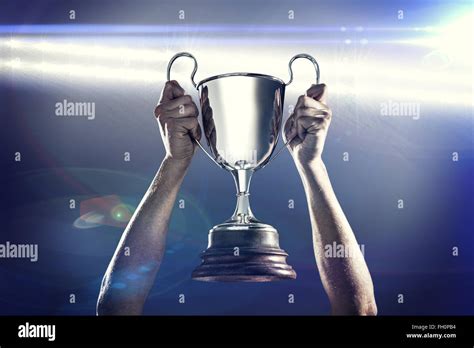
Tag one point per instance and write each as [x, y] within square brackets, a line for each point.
[243, 249]
[242, 214]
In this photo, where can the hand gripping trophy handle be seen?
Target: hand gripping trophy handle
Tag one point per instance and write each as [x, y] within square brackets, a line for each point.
[241, 116]
[193, 73]
[290, 70]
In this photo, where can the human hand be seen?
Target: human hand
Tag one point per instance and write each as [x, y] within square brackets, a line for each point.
[177, 116]
[307, 126]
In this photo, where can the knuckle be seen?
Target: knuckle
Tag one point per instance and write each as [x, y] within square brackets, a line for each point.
[187, 99]
[194, 122]
[185, 109]
[302, 111]
[307, 100]
[299, 111]
[170, 122]
[194, 109]
[157, 111]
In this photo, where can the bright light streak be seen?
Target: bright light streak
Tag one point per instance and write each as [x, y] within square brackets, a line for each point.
[364, 88]
[89, 73]
[387, 78]
[88, 50]
[457, 37]
[13, 43]
[13, 63]
[454, 39]
[439, 96]
[372, 70]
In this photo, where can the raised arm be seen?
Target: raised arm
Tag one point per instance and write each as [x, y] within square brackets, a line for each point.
[343, 271]
[133, 267]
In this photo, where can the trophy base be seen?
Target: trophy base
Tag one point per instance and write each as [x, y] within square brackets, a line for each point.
[243, 253]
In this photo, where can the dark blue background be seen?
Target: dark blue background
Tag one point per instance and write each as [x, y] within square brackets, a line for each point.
[408, 251]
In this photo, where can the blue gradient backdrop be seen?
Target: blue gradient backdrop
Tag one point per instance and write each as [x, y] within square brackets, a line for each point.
[409, 251]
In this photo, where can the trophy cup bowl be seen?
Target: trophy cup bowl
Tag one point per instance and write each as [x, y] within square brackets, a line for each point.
[241, 121]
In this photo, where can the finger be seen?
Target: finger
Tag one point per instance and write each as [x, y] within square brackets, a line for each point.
[207, 118]
[182, 125]
[175, 103]
[312, 103]
[171, 91]
[188, 110]
[204, 94]
[213, 140]
[209, 127]
[206, 110]
[309, 124]
[306, 101]
[196, 132]
[318, 92]
[300, 101]
[290, 129]
[189, 125]
[305, 111]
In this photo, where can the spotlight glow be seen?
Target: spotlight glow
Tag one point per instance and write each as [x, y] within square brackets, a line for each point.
[381, 76]
[82, 71]
[86, 50]
[398, 89]
[454, 39]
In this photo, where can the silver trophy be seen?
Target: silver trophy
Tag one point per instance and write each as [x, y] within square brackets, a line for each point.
[241, 120]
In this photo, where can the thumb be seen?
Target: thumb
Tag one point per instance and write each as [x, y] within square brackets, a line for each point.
[290, 129]
[171, 91]
[318, 92]
[196, 133]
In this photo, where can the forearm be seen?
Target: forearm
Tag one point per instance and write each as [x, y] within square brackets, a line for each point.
[345, 278]
[133, 268]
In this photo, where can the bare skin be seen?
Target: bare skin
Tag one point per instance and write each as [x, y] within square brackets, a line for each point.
[136, 261]
[346, 280]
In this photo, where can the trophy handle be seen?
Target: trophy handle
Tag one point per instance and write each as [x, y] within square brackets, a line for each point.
[176, 56]
[168, 78]
[306, 56]
[316, 68]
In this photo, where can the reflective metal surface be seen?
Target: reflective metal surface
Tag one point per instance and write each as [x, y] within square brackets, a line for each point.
[241, 118]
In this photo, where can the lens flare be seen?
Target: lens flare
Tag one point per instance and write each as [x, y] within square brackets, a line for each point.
[122, 212]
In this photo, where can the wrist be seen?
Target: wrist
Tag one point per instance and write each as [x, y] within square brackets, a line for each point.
[315, 167]
[173, 169]
[178, 163]
[314, 176]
